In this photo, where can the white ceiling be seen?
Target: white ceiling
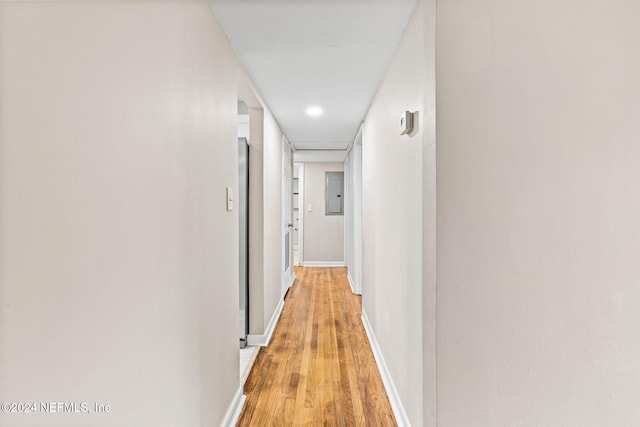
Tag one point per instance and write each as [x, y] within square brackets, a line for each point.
[329, 53]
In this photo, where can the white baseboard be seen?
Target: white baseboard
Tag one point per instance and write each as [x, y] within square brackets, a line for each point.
[234, 410]
[392, 392]
[323, 263]
[353, 289]
[263, 339]
[247, 369]
[293, 279]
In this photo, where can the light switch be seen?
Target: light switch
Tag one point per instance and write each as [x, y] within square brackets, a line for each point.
[229, 199]
[309, 207]
[406, 122]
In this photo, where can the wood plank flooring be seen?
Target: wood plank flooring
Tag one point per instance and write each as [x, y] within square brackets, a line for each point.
[318, 369]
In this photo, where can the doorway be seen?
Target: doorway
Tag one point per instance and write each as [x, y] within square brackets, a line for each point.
[243, 216]
[243, 221]
[287, 213]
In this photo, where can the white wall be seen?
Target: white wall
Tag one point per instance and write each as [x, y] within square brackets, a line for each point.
[319, 156]
[323, 234]
[265, 218]
[429, 220]
[257, 310]
[392, 219]
[118, 265]
[265, 212]
[538, 213]
[273, 236]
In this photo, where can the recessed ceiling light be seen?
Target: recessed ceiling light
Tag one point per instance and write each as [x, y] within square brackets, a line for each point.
[314, 111]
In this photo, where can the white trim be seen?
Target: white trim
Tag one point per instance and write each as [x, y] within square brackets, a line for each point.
[357, 231]
[392, 392]
[358, 135]
[346, 167]
[301, 214]
[263, 339]
[351, 282]
[233, 412]
[323, 264]
[293, 279]
[287, 210]
[247, 369]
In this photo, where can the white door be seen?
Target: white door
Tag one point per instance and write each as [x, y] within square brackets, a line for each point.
[287, 207]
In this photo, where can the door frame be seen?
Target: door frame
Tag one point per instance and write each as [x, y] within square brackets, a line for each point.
[301, 211]
[287, 214]
[243, 228]
[358, 233]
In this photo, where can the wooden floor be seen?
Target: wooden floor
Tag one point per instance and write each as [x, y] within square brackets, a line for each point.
[318, 369]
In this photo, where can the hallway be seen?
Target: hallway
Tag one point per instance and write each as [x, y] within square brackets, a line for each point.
[318, 368]
[489, 215]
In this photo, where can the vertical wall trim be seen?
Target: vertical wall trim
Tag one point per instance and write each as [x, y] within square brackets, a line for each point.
[287, 214]
[358, 231]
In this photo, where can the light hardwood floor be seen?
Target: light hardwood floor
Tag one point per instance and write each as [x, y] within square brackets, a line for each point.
[318, 369]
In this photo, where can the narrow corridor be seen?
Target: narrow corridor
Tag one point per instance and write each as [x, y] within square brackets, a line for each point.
[319, 368]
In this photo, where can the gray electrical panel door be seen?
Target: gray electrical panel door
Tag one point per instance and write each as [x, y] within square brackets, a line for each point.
[334, 193]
